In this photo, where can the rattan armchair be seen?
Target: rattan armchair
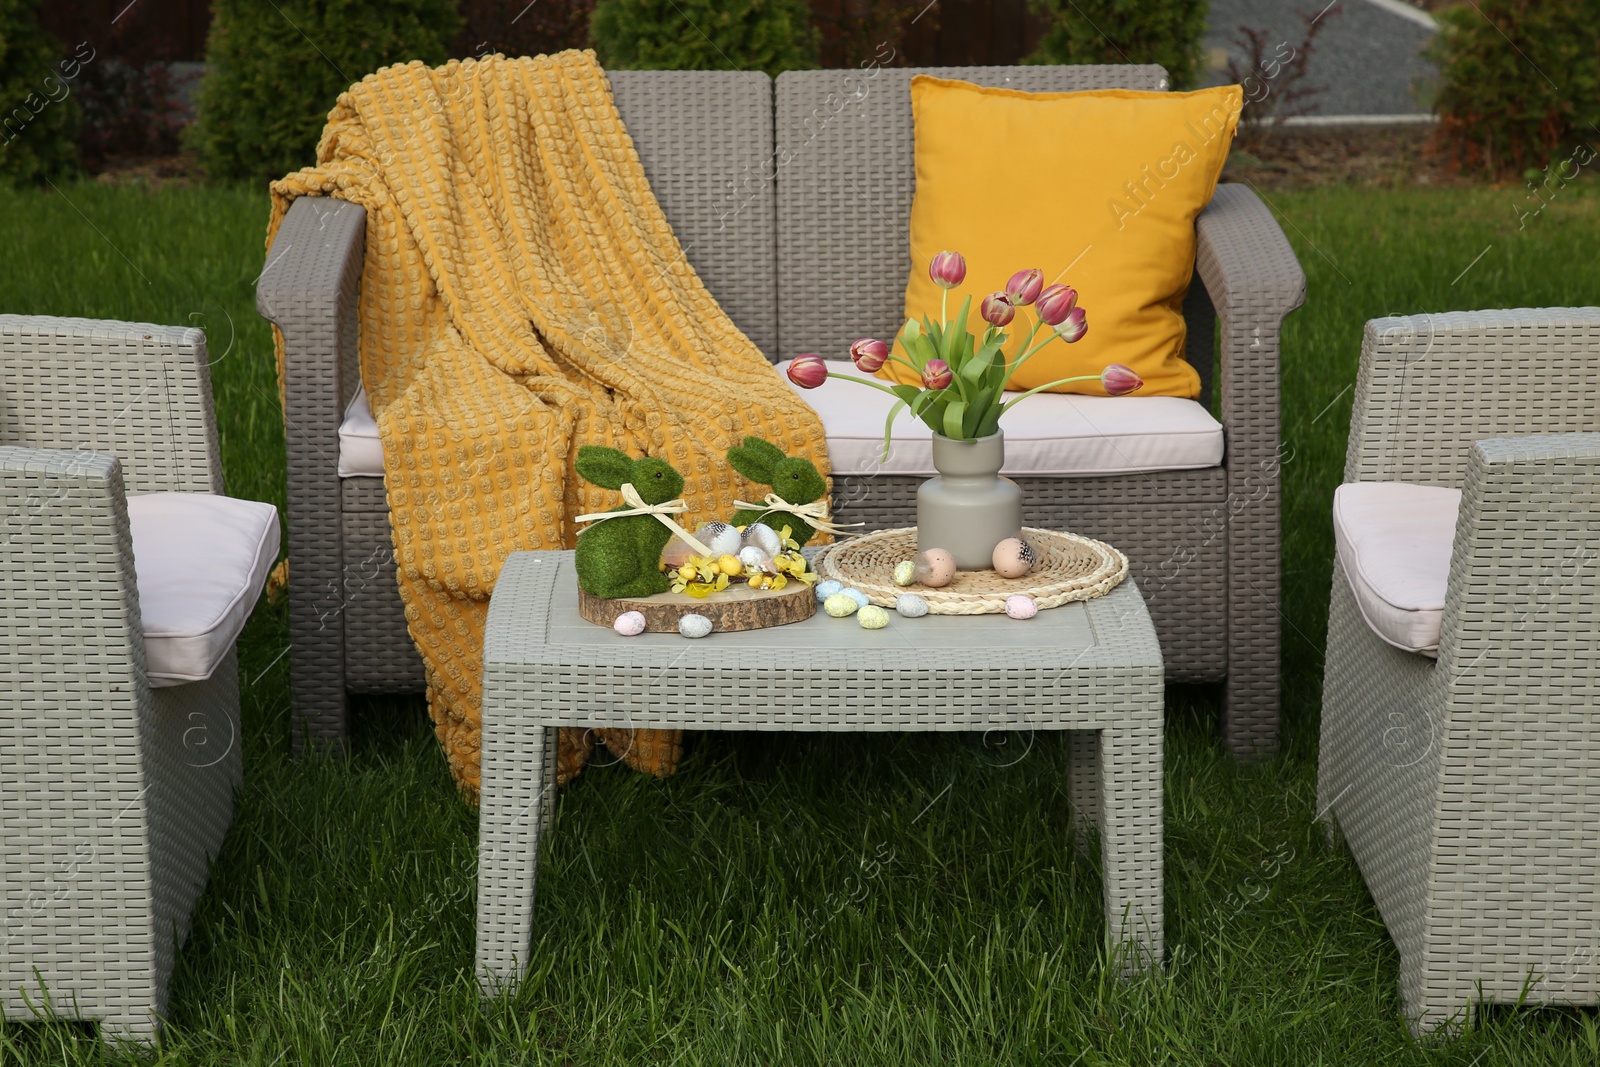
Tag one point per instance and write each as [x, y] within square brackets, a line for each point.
[768, 185]
[1468, 786]
[114, 793]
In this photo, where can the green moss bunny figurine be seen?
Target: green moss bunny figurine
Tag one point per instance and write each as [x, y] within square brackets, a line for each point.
[793, 479]
[621, 557]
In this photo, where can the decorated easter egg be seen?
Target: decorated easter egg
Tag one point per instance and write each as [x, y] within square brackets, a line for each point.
[720, 538]
[694, 626]
[935, 567]
[839, 605]
[760, 535]
[1013, 557]
[629, 623]
[676, 554]
[905, 572]
[1021, 607]
[872, 617]
[857, 595]
[911, 606]
[826, 589]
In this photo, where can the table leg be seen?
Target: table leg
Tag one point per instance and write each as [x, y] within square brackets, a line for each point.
[1083, 783]
[1131, 840]
[517, 795]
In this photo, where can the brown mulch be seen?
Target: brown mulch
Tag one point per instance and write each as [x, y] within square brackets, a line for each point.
[1298, 157]
[156, 172]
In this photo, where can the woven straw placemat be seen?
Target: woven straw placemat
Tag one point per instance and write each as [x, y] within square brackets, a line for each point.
[1069, 568]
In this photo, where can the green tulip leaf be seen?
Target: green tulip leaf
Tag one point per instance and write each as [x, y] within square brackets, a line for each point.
[888, 423]
[952, 418]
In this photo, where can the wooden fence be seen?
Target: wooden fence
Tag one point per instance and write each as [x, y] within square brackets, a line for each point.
[942, 33]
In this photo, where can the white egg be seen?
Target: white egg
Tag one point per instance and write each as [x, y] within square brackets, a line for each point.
[719, 537]
[764, 537]
[694, 626]
[751, 556]
[826, 589]
[911, 606]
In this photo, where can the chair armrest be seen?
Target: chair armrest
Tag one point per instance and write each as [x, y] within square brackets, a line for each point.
[1524, 589]
[1254, 281]
[134, 390]
[1431, 385]
[72, 641]
[310, 290]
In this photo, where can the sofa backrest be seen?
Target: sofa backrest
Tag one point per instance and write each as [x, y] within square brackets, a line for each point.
[705, 139]
[846, 174]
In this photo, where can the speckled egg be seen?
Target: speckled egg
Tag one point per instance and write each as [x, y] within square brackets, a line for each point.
[905, 572]
[629, 623]
[752, 556]
[872, 617]
[826, 589]
[760, 535]
[1021, 607]
[694, 626]
[1013, 557]
[935, 568]
[720, 538]
[911, 606]
[839, 605]
[857, 595]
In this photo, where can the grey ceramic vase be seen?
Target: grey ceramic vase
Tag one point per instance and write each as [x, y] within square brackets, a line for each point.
[968, 508]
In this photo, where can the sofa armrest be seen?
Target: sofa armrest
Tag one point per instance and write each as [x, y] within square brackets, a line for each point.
[310, 290]
[1431, 385]
[1523, 602]
[134, 390]
[72, 642]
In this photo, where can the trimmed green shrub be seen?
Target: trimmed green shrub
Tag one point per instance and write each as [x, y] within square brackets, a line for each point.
[1519, 82]
[38, 116]
[275, 71]
[769, 35]
[1167, 32]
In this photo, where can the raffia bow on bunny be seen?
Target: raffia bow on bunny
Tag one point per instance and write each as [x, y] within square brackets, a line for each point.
[799, 492]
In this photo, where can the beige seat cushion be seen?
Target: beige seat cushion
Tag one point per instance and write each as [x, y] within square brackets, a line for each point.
[200, 561]
[1394, 541]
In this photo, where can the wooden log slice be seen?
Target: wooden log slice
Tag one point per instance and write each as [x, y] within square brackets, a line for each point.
[737, 607]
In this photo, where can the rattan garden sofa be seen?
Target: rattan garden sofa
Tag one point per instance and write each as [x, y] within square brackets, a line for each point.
[1460, 753]
[119, 702]
[791, 200]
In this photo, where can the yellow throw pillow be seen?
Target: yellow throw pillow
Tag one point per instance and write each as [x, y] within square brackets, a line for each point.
[1098, 189]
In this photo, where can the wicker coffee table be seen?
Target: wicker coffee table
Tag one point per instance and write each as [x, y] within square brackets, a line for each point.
[1093, 668]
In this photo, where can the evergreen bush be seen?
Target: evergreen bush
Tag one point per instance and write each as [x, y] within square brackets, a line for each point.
[38, 116]
[1519, 83]
[769, 35]
[274, 71]
[1167, 32]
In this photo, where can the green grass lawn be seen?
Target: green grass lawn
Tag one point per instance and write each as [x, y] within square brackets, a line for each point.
[805, 899]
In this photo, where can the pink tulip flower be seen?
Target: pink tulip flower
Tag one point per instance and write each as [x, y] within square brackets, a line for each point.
[808, 371]
[948, 270]
[997, 309]
[868, 355]
[1118, 380]
[1073, 327]
[1056, 303]
[936, 374]
[1024, 286]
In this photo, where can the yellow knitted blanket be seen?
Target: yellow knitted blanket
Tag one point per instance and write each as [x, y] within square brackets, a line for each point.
[523, 295]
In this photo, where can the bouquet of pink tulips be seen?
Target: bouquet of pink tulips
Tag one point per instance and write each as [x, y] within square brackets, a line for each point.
[963, 377]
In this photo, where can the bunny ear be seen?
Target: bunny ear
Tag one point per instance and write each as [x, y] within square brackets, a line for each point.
[605, 467]
[750, 462]
[768, 451]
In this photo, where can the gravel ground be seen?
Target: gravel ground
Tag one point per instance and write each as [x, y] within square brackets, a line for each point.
[1369, 58]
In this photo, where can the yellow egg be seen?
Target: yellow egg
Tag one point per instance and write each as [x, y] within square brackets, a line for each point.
[686, 571]
[730, 565]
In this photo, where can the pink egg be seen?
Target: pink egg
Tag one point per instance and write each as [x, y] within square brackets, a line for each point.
[629, 623]
[1013, 557]
[1021, 607]
[935, 568]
